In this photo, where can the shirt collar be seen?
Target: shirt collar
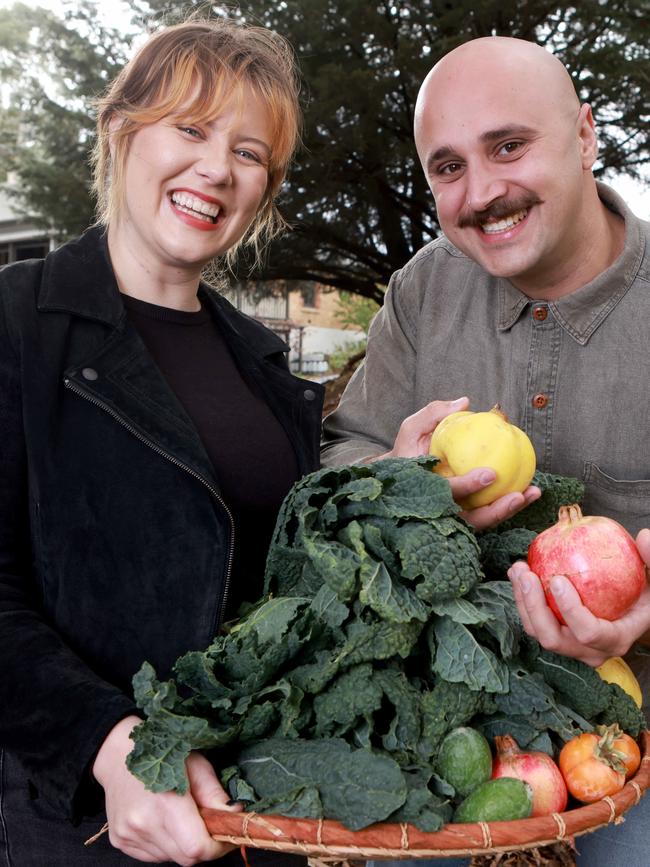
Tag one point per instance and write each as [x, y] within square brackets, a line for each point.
[581, 312]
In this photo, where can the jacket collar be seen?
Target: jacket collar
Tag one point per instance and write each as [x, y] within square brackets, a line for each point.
[78, 278]
[581, 312]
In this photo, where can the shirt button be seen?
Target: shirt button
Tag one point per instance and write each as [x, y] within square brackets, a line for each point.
[309, 394]
[540, 401]
[89, 373]
[540, 313]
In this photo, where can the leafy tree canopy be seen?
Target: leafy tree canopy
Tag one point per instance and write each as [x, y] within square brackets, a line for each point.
[356, 195]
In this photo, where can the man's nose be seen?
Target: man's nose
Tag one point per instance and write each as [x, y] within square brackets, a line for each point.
[483, 188]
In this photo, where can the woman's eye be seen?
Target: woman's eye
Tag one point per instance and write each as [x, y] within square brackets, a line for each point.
[191, 131]
[248, 155]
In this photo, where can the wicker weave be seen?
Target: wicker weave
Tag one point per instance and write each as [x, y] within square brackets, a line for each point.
[330, 840]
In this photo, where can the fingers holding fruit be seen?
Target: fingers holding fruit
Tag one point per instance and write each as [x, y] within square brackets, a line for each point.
[414, 435]
[484, 517]
[489, 463]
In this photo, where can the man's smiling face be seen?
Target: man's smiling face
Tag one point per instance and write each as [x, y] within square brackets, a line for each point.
[506, 150]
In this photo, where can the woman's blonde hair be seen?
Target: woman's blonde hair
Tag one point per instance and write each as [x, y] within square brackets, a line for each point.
[195, 68]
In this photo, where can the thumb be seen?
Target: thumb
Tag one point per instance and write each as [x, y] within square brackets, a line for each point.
[643, 544]
[205, 787]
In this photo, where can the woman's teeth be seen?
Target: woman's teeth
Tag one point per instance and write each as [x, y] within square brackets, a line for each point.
[196, 207]
[493, 226]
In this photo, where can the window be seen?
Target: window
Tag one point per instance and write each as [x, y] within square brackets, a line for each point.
[310, 293]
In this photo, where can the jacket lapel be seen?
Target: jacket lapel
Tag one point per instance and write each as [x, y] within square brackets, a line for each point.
[119, 377]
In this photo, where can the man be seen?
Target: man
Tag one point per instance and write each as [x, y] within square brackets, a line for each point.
[537, 298]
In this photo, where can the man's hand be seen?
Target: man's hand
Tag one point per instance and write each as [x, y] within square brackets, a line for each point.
[158, 827]
[585, 636]
[413, 439]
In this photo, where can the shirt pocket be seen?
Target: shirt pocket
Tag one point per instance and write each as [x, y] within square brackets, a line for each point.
[626, 501]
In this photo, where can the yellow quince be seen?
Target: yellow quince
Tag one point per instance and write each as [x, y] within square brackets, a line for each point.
[466, 440]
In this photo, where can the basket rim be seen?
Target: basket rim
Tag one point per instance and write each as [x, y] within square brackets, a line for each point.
[384, 840]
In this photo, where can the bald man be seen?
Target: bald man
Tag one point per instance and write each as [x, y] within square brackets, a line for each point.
[537, 297]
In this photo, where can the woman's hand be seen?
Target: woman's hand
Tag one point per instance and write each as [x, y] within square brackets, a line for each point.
[413, 439]
[585, 636]
[158, 827]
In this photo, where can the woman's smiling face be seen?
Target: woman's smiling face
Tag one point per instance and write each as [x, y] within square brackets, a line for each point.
[191, 190]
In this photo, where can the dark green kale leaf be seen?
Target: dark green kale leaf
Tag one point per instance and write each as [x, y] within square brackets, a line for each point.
[459, 658]
[447, 706]
[577, 684]
[403, 735]
[622, 709]
[501, 548]
[556, 491]
[355, 693]
[168, 735]
[422, 807]
[495, 601]
[356, 787]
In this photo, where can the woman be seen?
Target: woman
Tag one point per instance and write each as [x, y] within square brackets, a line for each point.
[149, 433]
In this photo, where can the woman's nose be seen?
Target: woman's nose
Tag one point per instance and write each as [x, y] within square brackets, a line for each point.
[215, 166]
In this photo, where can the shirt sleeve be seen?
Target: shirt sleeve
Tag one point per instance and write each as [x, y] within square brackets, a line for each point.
[381, 393]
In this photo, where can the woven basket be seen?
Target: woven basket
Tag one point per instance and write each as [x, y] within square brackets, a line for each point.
[330, 840]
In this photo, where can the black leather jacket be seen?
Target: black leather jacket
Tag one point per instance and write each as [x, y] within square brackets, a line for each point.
[114, 541]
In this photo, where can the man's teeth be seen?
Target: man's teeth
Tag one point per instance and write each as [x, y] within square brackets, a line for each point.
[506, 223]
[196, 207]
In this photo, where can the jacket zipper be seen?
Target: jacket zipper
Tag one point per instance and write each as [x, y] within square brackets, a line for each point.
[226, 587]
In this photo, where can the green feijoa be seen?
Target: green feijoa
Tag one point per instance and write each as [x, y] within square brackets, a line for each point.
[465, 759]
[497, 800]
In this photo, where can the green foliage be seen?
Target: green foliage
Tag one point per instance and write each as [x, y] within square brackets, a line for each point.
[354, 311]
[340, 355]
[357, 195]
[54, 67]
[377, 635]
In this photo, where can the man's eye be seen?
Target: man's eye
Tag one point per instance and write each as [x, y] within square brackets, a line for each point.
[510, 147]
[449, 169]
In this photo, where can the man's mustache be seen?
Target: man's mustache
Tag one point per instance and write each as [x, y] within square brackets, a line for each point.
[499, 208]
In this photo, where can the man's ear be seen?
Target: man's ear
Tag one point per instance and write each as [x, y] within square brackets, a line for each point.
[587, 137]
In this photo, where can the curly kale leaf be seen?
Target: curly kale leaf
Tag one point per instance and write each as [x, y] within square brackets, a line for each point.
[355, 787]
[622, 709]
[556, 491]
[422, 807]
[580, 686]
[500, 549]
[447, 706]
[355, 693]
[460, 658]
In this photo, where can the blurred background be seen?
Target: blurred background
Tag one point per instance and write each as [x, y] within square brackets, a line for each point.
[356, 196]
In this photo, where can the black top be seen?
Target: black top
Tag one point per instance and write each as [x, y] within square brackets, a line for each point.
[251, 454]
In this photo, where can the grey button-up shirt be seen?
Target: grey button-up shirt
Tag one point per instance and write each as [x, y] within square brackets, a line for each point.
[572, 373]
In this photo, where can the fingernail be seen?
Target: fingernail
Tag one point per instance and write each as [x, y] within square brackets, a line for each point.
[525, 583]
[557, 586]
[458, 401]
[486, 477]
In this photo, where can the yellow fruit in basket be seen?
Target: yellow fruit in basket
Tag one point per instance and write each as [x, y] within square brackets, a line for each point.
[466, 440]
[616, 670]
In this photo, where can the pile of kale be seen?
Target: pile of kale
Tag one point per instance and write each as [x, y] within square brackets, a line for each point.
[386, 622]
